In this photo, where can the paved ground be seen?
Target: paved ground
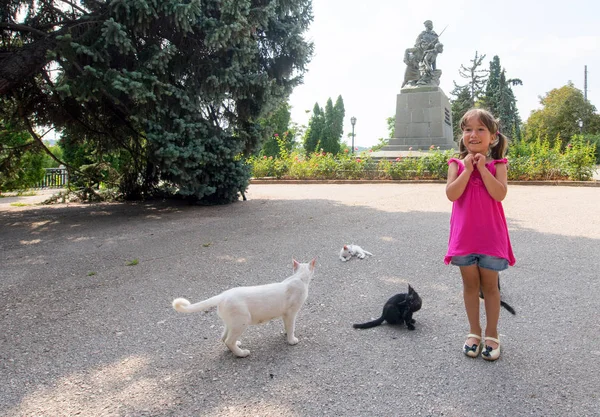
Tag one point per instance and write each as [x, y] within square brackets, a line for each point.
[83, 333]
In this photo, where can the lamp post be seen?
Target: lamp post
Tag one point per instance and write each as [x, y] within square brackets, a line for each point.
[580, 123]
[353, 121]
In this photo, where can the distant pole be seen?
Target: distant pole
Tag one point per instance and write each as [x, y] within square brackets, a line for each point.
[585, 83]
[353, 121]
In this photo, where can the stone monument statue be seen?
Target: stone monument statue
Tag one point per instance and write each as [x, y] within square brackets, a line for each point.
[423, 112]
[420, 60]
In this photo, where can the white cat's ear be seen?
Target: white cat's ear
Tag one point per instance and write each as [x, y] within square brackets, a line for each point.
[295, 264]
[313, 263]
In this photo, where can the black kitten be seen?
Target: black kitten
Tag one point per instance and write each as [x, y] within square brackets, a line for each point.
[397, 310]
[502, 303]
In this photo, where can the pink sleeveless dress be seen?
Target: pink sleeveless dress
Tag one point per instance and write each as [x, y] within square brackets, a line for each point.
[477, 223]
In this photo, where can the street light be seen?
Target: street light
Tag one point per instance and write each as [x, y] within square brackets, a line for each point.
[580, 123]
[353, 121]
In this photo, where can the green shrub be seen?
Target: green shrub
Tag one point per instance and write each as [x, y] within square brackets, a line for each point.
[580, 159]
[533, 160]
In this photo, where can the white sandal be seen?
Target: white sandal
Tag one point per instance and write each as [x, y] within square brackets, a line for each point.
[490, 354]
[472, 351]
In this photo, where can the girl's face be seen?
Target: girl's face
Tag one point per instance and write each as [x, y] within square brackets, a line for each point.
[476, 136]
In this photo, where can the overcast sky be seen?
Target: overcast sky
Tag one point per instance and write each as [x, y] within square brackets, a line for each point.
[359, 47]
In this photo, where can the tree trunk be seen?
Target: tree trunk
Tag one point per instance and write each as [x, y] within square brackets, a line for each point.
[18, 66]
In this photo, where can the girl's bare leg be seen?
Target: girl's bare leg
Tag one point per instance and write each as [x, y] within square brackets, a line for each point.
[491, 294]
[471, 281]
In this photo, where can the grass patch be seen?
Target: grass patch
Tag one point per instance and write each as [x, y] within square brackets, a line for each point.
[19, 204]
[91, 274]
[133, 262]
[206, 245]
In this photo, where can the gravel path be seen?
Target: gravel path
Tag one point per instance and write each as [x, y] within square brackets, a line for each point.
[84, 333]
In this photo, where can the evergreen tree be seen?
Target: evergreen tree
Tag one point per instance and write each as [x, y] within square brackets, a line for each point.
[337, 123]
[468, 95]
[279, 123]
[326, 127]
[500, 99]
[174, 89]
[460, 105]
[328, 142]
[316, 129]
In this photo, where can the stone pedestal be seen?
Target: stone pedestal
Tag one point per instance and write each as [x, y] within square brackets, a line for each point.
[423, 118]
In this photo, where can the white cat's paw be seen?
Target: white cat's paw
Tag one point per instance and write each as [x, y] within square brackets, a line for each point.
[242, 353]
[238, 343]
[293, 340]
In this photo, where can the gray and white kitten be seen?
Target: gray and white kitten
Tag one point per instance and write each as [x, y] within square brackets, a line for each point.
[348, 251]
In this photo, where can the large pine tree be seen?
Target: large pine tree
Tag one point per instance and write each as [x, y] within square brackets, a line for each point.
[173, 88]
[500, 99]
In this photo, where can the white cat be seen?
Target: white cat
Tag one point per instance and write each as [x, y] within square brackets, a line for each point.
[348, 251]
[242, 306]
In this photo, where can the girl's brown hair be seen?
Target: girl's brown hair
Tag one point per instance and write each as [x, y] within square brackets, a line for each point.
[498, 147]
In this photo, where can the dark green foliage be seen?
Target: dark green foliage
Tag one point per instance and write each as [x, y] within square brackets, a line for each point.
[315, 131]
[500, 99]
[169, 93]
[279, 123]
[460, 105]
[325, 127]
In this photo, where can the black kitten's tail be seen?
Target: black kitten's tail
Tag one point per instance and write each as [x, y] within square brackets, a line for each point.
[508, 307]
[369, 324]
[503, 304]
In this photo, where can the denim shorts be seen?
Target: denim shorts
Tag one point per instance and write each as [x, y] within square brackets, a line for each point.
[484, 261]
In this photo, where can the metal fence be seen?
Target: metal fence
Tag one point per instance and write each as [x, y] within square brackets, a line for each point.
[54, 178]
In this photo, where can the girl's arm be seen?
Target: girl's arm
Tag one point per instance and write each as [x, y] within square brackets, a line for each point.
[456, 184]
[497, 186]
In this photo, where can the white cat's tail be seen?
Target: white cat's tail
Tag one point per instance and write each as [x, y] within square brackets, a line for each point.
[368, 253]
[183, 306]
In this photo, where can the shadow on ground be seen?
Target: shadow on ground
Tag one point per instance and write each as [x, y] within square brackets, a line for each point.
[85, 333]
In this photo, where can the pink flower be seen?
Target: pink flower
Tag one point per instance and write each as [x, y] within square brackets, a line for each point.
[432, 147]
[276, 135]
[346, 150]
[370, 150]
[265, 157]
[357, 159]
[356, 149]
[569, 146]
[410, 149]
[398, 159]
[323, 153]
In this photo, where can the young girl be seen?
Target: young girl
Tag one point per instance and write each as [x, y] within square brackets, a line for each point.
[479, 243]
